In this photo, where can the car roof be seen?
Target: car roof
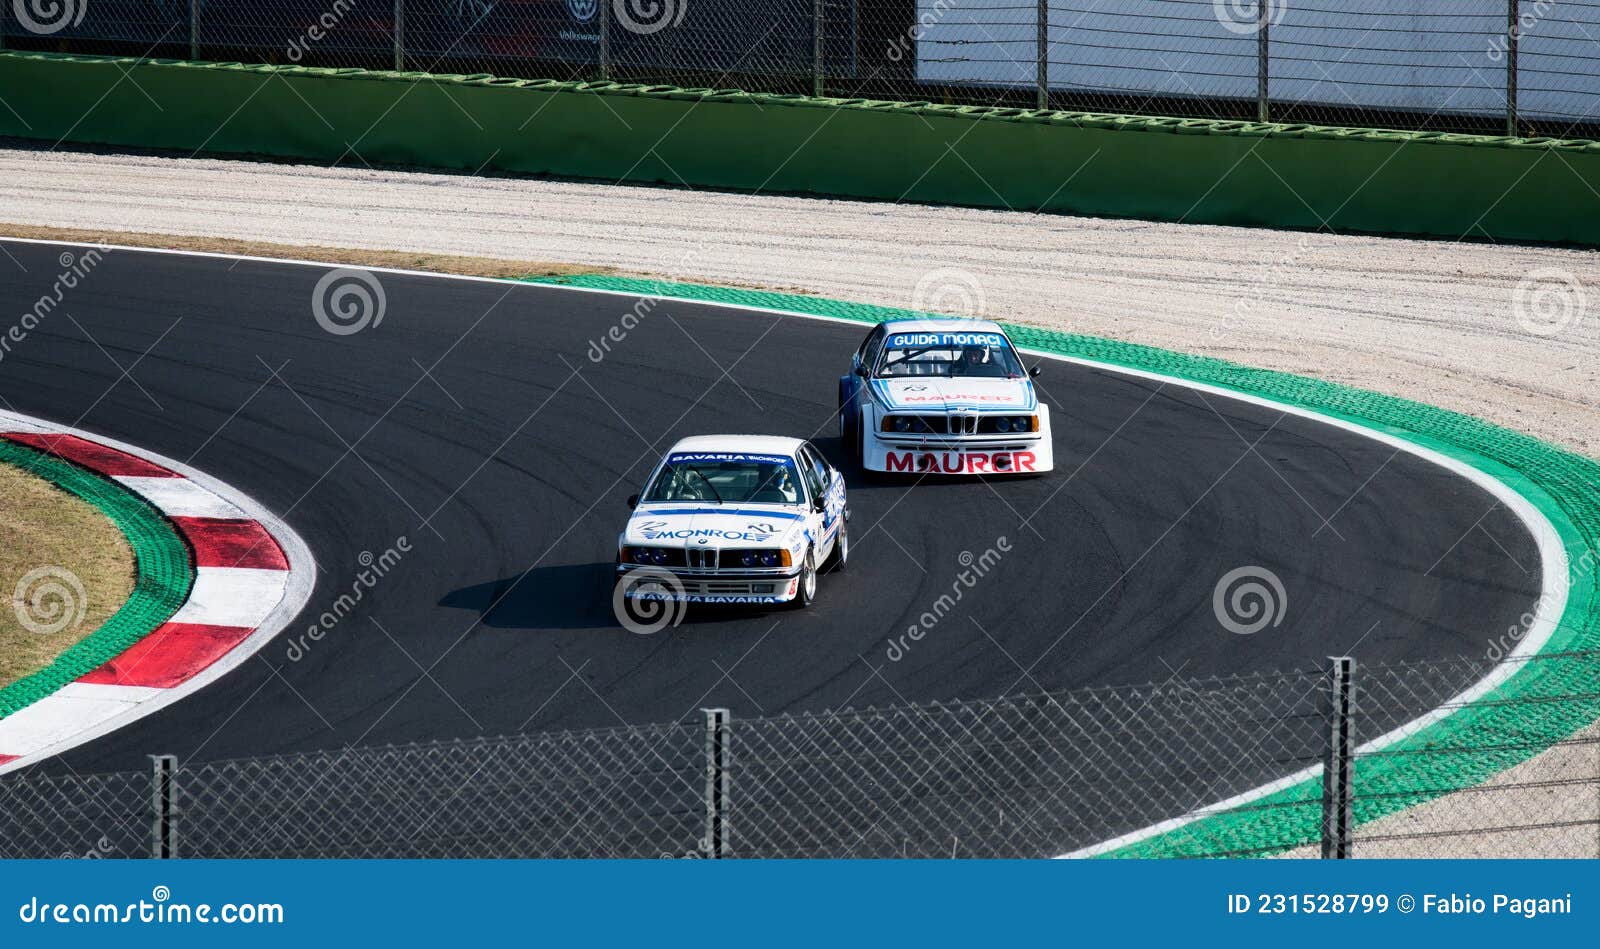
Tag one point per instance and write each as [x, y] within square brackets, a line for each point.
[756, 444]
[941, 326]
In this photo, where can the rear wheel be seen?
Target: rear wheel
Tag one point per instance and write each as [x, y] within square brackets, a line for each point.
[807, 591]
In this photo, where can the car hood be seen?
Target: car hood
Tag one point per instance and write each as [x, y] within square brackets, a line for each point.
[935, 394]
[711, 525]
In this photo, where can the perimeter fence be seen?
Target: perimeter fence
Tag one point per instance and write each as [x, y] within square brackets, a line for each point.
[1439, 759]
[1528, 67]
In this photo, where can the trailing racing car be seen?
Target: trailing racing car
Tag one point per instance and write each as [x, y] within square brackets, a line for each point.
[734, 519]
[943, 397]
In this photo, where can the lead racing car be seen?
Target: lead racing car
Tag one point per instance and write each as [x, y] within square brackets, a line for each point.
[741, 519]
[943, 397]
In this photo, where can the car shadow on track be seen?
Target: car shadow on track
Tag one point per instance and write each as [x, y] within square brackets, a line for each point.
[562, 596]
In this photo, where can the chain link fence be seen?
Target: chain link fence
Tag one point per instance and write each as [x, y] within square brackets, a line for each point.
[1529, 67]
[1441, 759]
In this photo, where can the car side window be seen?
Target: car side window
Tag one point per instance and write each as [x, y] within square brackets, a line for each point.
[870, 349]
[816, 471]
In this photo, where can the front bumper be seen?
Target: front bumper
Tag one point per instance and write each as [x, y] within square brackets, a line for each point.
[1029, 453]
[680, 585]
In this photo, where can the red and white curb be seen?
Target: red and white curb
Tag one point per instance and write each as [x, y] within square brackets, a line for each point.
[252, 576]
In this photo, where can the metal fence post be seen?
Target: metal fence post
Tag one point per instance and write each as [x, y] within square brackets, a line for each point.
[715, 844]
[1338, 764]
[1263, 60]
[163, 807]
[399, 35]
[1042, 54]
[1512, 10]
[819, 32]
[194, 29]
[605, 40]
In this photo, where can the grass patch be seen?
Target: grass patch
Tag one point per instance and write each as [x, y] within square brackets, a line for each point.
[45, 528]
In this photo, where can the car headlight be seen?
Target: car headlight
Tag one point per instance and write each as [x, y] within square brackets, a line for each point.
[749, 559]
[1002, 425]
[901, 423]
[640, 554]
[769, 558]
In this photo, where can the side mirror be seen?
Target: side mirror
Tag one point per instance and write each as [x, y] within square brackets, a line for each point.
[1033, 373]
[633, 501]
[819, 504]
[862, 371]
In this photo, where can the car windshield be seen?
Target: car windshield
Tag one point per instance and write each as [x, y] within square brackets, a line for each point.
[726, 478]
[949, 355]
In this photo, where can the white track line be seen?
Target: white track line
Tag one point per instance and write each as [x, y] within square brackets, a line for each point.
[1551, 604]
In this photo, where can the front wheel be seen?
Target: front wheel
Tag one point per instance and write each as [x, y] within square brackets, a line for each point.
[807, 591]
[841, 548]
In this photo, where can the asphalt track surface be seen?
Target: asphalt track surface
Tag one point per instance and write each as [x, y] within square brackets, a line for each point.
[473, 422]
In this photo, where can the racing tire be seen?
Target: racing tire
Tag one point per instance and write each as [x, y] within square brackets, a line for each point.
[841, 549]
[807, 592]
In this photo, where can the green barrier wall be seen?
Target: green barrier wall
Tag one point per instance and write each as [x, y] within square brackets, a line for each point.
[1449, 186]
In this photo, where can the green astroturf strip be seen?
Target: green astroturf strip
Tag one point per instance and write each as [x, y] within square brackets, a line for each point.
[164, 574]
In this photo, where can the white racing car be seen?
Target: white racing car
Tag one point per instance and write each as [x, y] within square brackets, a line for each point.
[943, 397]
[733, 519]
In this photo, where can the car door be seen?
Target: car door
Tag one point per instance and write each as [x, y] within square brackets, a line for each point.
[828, 485]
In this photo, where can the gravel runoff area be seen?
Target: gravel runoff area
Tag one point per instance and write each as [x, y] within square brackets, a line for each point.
[1508, 333]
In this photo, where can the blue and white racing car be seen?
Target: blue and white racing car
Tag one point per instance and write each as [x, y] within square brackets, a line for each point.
[943, 397]
[734, 519]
